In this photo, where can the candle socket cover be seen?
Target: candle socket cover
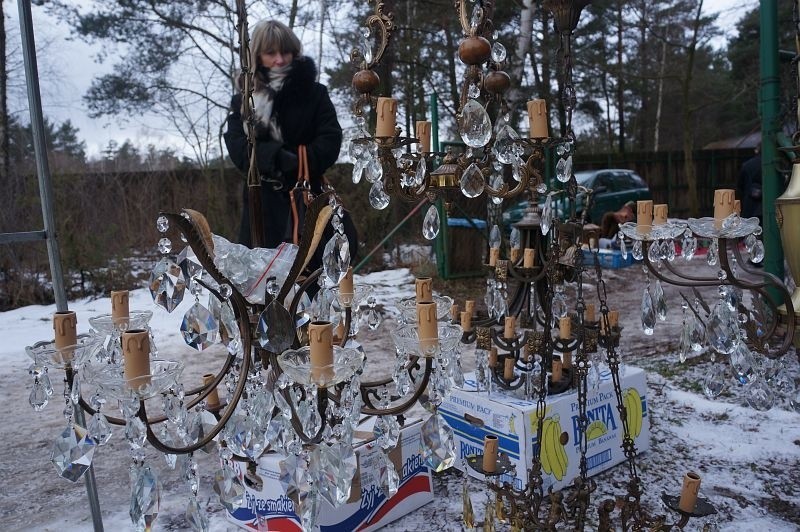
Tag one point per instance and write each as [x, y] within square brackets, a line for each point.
[537, 119]
[723, 204]
[510, 329]
[387, 114]
[424, 289]
[65, 327]
[427, 327]
[557, 370]
[423, 131]
[565, 327]
[466, 321]
[490, 447]
[469, 306]
[136, 358]
[508, 368]
[494, 256]
[212, 399]
[691, 487]
[320, 340]
[346, 291]
[529, 258]
[120, 307]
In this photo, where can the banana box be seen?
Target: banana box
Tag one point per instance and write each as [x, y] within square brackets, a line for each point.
[266, 505]
[472, 415]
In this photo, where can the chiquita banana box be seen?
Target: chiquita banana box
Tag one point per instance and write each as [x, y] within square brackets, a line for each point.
[266, 505]
[513, 420]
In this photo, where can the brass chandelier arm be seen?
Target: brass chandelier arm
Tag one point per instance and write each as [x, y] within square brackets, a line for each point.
[399, 409]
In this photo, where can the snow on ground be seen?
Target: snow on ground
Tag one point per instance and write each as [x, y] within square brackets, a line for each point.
[749, 460]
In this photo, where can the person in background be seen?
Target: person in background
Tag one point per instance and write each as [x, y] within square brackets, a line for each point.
[291, 109]
[609, 224]
[748, 187]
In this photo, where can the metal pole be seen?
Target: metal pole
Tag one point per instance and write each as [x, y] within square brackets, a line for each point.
[46, 194]
[770, 109]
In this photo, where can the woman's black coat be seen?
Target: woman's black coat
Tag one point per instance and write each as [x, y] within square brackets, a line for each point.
[306, 116]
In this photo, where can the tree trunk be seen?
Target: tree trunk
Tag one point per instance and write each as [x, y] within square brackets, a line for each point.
[660, 97]
[523, 48]
[688, 137]
[644, 102]
[620, 78]
[293, 14]
[5, 161]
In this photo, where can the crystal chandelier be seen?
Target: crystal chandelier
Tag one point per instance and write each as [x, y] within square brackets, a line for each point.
[292, 371]
[386, 160]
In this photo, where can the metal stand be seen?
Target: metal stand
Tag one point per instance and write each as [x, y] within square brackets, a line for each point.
[48, 234]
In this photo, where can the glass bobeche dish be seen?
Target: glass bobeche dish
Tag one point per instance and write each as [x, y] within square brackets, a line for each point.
[407, 340]
[75, 356]
[111, 379]
[296, 363]
[408, 308]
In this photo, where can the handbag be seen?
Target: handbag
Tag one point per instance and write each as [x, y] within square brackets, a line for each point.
[300, 195]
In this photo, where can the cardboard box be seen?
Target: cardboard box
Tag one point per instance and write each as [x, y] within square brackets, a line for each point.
[473, 414]
[367, 509]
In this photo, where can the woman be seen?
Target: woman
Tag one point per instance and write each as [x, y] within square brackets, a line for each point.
[291, 109]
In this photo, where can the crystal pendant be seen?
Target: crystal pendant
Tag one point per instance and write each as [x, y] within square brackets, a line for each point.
[759, 396]
[336, 258]
[99, 429]
[390, 480]
[648, 312]
[714, 383]
[515, 239]
[564, 169]
[229, 488]
[689, 247]
[162, 224]
[196, 517]
[504, 143]
[685, 344]
[497, 184]
[438, 449]
[72, 452]
[164, 246]
[387, 432]
[712, 256]
[472, 181]
[723, 329]
[636, 251]
[697, 333]
[654, 252]
[189, 263]
[757, 255]
[660, 301]
[203, 423]
[275, 331]
[38, 398]
[467, 513]
[498, 52]
[474, 125]
[373, 171]
[337, 466]
[135, 433]
[547, 215]
[419, 175]
[167, 284]
[199, 328]
[366, 46]
[743, 364]
[431, 223]
[145, 498]
[623, 247]
[244, 435]
[378, 197]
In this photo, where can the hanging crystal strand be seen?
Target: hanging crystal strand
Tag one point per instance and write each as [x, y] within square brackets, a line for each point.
[488, 298]
[374, 318]
[99, 427]
[227, 484]
[481, 368]
[648, 308]
[467, 513]
[712, 256]
[387, 435]
[686, 332]
[489, 516]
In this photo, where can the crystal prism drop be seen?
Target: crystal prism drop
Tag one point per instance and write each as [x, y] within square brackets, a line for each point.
[387, 432]
[743, 364]
[135, 433]
[689, 247]
[723, 329]
[189, 263]
[336, 257]
[229, 488]
[99, 429]
[498, 52]
[162, 224]
[623, 247]
[275, 331]
[419, 175]
[358, 171]
[164, 246]
[497, 184]
[373, 171]
[199, 328]
[714, 383]
[438, 449]
[660, 301]
[648, 312]
[72, 452]
[38, 397]
[503, 147]
[431, 223]
[145, 498]
[636, 251]
[390, 480]
[378, 197]
[697, 333]
[472, 181]
[337, 466]
[685, 344]
[196, 517]
[474, 125]
[760, 396]
[564, 169]
[547, 215]
[654, 252]
[712, 256]
[757, 255]
[374, 319]
[167, 284]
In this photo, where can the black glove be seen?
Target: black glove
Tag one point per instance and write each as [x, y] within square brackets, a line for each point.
[286, 162]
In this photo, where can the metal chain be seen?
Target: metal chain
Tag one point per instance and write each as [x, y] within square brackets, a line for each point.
[582, 367]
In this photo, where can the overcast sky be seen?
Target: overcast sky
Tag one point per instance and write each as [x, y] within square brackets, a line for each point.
[72, 64]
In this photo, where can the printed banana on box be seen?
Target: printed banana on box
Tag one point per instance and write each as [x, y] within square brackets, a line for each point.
[472, 415]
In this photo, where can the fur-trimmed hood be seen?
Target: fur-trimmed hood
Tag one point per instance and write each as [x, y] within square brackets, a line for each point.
[299, 81]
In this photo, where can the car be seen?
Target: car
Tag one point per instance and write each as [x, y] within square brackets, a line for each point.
[612, 189]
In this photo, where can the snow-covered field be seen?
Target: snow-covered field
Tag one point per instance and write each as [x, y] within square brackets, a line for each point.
[749, 460]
